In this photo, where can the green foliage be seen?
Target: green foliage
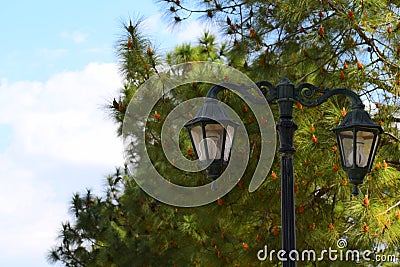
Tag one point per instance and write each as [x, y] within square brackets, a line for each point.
[329, 43]
[204, 51]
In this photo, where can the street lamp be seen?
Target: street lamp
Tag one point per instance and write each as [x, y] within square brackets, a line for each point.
[357, 137]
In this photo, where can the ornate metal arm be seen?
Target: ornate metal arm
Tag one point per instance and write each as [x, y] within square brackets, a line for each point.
[306, 93]
[213, 92]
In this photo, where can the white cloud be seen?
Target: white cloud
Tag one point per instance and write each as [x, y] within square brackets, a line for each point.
[154, 24]
[63, 118]
[156, 29]
[191, 32]
[77, 37]
[62, 142]
[182, 32]
[29, 215]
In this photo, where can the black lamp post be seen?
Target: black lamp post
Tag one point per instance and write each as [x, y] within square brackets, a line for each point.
[357, 136]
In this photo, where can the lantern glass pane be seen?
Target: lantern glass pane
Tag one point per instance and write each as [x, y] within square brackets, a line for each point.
[230, 132]
[373, 151]
[364, 145]
[197, 136]
[214, 140]
[346, 147]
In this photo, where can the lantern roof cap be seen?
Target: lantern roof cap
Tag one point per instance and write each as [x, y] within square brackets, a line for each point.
[211, 112]
[357, 118]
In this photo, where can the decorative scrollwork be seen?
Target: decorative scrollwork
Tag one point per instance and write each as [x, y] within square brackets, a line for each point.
[310, 95]
[268, 90]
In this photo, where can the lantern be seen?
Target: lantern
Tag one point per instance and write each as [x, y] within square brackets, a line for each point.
[212, 133]
[358, 138]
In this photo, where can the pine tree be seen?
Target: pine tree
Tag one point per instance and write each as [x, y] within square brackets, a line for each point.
[350, 44]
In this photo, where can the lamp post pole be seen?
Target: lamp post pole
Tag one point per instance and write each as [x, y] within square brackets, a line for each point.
[286, 128]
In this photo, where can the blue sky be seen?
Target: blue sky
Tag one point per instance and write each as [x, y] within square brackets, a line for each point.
[57, 69]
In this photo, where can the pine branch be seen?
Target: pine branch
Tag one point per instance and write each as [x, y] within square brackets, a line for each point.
[392, 136]
[319, 193]
[393, 162]
[392, 207]
[348, 229]
[369, 41]
[333, 207]
[177, 6]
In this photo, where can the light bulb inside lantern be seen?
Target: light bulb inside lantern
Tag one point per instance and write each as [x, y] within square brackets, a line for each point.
[361, 159]
[213, 150]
